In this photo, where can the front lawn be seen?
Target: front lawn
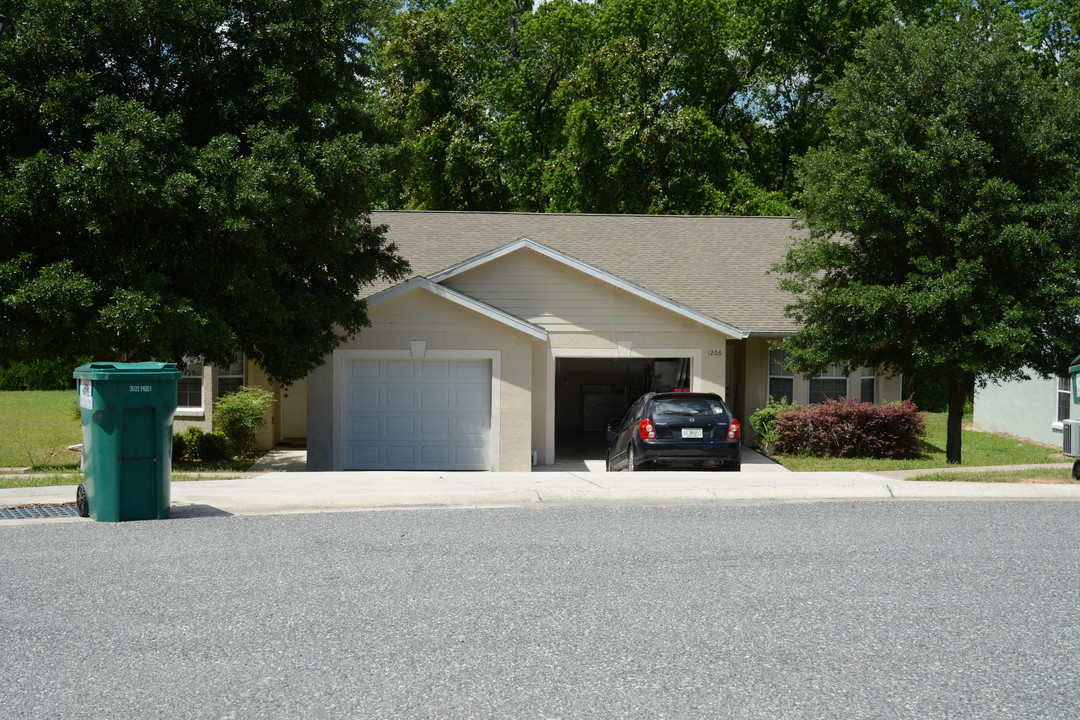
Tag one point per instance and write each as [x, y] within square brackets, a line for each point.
[36, 428]
[980, 449]
[1050, 475]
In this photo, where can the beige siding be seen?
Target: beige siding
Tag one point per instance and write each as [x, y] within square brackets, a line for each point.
[563, 300]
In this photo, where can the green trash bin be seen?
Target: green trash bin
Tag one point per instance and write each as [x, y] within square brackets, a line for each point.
[127, 416]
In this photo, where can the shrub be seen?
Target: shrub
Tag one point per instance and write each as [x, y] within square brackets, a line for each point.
[240, 415]
[192, 437]
[763, 421]
[39, 374]
[179, 447]
[213, 447]
[848, 428]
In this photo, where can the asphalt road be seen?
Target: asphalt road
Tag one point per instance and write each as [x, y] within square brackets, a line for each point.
[779, 610]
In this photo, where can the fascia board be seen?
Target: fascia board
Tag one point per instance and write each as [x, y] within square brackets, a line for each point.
[592, 270]
[482, 308]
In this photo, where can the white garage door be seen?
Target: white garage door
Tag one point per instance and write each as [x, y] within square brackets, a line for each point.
[417, 414]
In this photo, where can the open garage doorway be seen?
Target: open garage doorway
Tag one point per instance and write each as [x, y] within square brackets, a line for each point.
[591, 392]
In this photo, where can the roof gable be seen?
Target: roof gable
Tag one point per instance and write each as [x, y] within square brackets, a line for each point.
[524, 243]
[477, 306]
[715, 265]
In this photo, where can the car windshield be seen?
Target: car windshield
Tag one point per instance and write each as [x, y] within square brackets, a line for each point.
[687, 406]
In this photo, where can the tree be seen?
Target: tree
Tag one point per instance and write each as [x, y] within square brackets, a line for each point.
[187, 179]
[641, 106]
[943, 212]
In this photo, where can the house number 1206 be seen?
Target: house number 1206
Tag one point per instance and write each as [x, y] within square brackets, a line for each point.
[715, 353]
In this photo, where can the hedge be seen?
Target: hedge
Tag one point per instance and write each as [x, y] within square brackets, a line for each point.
[848, 428]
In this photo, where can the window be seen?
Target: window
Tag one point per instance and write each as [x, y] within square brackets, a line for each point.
[781, 380]
[1064, 397]
[230, 377]
[866, 386]
[832, 384]
[189, 386]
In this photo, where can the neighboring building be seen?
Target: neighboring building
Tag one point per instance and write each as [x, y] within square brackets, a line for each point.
[1032, 409]
[519, 332]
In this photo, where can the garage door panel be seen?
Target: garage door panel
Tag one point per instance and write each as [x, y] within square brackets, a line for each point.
[467, 456]
[398, 398]
[359, 426]
[361, 456]
[437, 456]
[361, 397]
[400, 426]
[362, 369]
[470, 400]
[418, 414]
[403, 455]
[435, 427]
[435, 398]
[471, 369]
[435, 370]
[400, 369]
[470, 427]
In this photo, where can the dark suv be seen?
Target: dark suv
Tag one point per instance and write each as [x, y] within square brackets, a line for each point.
[677, 429]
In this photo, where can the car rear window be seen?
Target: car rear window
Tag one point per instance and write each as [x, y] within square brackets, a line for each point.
[687, 406]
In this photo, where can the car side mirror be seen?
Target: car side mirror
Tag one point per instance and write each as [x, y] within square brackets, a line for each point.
[612, 430]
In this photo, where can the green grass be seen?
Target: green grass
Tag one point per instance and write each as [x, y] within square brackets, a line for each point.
[16, 480]
[979, 449]
[1049, 475]
[36, 428]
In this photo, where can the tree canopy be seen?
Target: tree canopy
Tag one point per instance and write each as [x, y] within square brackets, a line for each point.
[621, 106]
[187, 179]
[944, 210]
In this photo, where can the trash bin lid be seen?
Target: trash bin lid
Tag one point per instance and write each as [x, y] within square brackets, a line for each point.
[117, 370]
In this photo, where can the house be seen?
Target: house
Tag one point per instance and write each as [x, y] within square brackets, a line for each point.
[1033, 409]
[519, 333]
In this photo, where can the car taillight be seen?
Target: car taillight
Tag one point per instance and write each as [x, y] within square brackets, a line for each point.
[733, 430]
[646, 429]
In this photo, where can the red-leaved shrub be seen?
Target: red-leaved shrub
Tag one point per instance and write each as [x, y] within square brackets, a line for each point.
[848, 428]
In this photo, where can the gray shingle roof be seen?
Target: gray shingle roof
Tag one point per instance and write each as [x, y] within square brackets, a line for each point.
[713, 264]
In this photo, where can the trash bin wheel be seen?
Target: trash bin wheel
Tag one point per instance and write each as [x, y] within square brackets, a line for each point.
[81, 504]
[1076, 470]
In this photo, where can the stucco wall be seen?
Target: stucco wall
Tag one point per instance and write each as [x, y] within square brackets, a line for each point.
[1025, 408]
[420, 316]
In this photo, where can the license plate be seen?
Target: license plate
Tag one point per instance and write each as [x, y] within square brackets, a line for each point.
[691, 432]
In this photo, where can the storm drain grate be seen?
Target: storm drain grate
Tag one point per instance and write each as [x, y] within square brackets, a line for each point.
[33, 513]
